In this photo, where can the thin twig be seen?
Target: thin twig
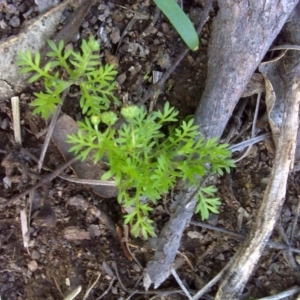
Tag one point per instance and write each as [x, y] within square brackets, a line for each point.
[72, 179]
[160, 293]
[88, 181]
[50, 130]
[253, 129]
[285, 47]
[211, 283]
[244, 144]
[155, 18]
[295, 222]
[91, 287]
[242, 237]
[238, 116]
[174, 273]
[57, 286]
[129, 26]
[289, 257]
[290, 292]
[44, 179]
[108, 289]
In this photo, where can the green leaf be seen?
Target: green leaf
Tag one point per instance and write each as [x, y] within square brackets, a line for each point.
[52, 45]
[34, 78]
[180, 21]
[37, 59]
[107, 175]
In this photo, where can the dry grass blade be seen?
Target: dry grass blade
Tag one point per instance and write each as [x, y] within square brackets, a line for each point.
[24, 227]
[15, 104]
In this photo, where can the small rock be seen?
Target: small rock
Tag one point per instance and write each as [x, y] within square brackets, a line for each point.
[115, 35]
[94, 230]
[164, 61]
[35, 254]
[15, 21]
[43, 249]
[136, 267]
[45, 4]
[121, 78]
[79, 202]
[28, 13]
[68, 282]
[111, 59]
[4, 124]
[11, 9]
[221, 257]
[3, 25]
[21, 8]
[199, 282]
[32, 265]
[3, 3]
[101, 17]
[85, 24]
[195, 235]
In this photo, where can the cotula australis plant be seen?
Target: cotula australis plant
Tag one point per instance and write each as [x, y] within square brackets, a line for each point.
[147, 154]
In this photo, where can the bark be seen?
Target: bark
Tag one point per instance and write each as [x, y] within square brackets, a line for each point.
[168, 242]
[284, 75]
[242, 34]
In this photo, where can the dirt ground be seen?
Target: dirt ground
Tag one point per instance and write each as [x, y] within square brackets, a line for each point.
[82, 249]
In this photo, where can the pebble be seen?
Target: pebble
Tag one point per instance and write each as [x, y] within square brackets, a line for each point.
[137, 268]
[11, 9]
[121, 78]
[3, 3]
[4, 124]
[43, 249]
[15, 21]
[35, 254]
[32, 265]
[3, 25]
[94, 230]
[221, 257]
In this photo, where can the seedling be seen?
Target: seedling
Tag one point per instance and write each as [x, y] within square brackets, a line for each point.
[66, 68]
[147, 154]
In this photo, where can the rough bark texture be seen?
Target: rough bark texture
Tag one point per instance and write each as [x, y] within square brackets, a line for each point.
[287, 85]
[242, 34]
[168, 242]
[169, 239]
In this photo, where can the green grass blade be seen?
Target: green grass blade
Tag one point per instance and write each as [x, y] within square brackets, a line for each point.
[180, 21]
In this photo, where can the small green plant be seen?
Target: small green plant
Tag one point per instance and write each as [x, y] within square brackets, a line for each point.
[180, 21]
[66, 68]
[146, 155]
[146, 162]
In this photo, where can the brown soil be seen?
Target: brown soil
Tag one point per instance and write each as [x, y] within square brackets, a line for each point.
[55, 264]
